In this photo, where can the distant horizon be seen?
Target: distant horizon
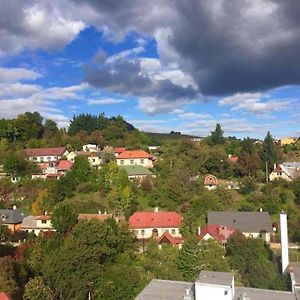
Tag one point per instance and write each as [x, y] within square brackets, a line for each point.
[239, 68]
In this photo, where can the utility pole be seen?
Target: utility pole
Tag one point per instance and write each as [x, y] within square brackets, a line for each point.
[267, 176]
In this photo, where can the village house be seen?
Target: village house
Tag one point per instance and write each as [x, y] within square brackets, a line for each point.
[164, 226]
[90, 148]
[219, 233]
[73, 154]
[11, 218]
[210, 182]
[287, 141]
[135, 157]
[95, 160]
[233, 158]
[46, 154]
[287, 171]
[251, 224]
[137, 172]
[37, 224]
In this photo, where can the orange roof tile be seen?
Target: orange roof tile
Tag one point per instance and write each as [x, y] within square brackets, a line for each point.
[134, 154]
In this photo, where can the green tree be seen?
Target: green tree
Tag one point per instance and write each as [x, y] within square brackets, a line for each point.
[64, 218]
[269, 152]
[35, 289]
[50, 129]
[8, 282]
[217, 135]
[81, 169]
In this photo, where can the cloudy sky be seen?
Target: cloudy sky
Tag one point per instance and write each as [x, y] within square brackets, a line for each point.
[163, 65]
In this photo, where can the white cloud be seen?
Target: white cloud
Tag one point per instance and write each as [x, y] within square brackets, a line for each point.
[17, 74]
[105, 101]
[192, 115]
[255, 103]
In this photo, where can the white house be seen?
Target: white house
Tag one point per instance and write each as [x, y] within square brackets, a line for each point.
[287, 171]
[95, 160]
[46, 154]
[37, 224]
[135, 157]
[90, 148]
[155, 224]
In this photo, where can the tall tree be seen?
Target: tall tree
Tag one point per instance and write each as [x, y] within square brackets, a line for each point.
[217, 135]
[269, 152]
[35, 289]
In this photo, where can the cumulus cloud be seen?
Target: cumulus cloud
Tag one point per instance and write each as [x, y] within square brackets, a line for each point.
[255, 103]
[17, 74]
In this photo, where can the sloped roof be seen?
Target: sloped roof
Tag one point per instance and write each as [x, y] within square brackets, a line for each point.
[159, 219]
[215, 278]
[11, 216]
[173, 240]
[134, 154]
[57, 151]
[233, 158]
[64, 165]
[245, 221]
[210, 180]
[217, 232]
[136, 170]
[120, 150]
[4, 296]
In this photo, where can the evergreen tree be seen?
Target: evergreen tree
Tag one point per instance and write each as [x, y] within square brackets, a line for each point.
[217, 135]
[269, 152]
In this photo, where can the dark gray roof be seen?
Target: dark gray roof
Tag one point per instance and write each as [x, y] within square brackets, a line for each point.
[11, 216]
[245, 221]
[261, 294]
[166, 290]
[215, 278]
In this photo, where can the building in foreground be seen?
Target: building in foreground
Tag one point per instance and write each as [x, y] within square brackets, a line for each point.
[209, 286]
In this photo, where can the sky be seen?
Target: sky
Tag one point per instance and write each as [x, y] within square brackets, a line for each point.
[163, 65]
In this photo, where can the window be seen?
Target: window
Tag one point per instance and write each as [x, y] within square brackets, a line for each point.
[41, 158]
[48, 158]
[225, 293]
[55, 157]
[34, 158]
[131, 161]
[44, 221]
[173, 231]
[122, 161]
[142, 161]
[94, 160]
[142, 232]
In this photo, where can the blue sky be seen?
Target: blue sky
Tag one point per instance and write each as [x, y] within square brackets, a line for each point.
[179, 67]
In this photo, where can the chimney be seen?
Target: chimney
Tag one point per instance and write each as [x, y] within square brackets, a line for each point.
[14, 207]
[284, 242]
[156, 209]
[99, 212]
[275, 166]
[260, 210]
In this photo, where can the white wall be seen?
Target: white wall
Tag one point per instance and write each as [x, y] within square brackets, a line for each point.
[284, 242]
[145, 162]
[214, 292]
[149, 231]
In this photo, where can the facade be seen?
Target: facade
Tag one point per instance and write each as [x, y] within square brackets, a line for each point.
[53, 170]
[209, 286]
[210, 182]
[137, 172]
[135, 157]
[46, 154]
[95, 160]
[37, 224]
[11, 218]
[287, 141]
[219, 233]
[100, 217]
[287, 171]
[154, 224]
[251, 224]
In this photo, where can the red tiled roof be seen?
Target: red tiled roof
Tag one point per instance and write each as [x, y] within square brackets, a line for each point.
[134, 154]
[64, 165]
[159, 219]
[100, 217]
[173, 240]
[120, 150]
[217, 232]
[210, 180]
[58, 151]
[4, 296]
